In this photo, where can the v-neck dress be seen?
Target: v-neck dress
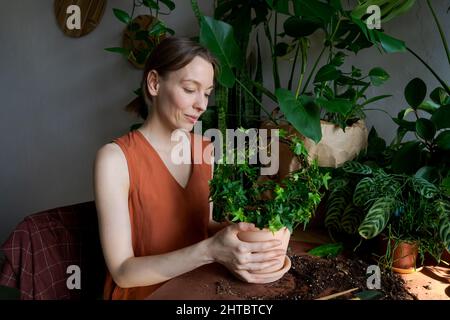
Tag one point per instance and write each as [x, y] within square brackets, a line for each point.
[164, 216]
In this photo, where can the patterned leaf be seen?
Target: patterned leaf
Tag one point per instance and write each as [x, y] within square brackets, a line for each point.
[424, 188]
[362, 191]
[443, 208]
[356, 167]
[377, 218]
[351, 218]
[336, 205]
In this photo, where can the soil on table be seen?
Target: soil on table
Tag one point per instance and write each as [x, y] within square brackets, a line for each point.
[313, 277]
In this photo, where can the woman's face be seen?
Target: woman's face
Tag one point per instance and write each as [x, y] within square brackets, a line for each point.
[182, 95]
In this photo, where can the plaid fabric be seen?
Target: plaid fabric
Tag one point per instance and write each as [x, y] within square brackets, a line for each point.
[45, 244]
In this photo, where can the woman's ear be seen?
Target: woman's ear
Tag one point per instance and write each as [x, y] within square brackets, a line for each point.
[153, 83]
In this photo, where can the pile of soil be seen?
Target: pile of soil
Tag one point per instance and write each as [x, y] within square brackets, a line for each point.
[313, 277]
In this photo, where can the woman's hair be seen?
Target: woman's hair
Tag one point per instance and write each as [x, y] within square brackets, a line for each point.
[171, 54]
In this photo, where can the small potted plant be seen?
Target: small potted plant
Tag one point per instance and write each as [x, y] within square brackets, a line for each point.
[411, 214]
[240, 194]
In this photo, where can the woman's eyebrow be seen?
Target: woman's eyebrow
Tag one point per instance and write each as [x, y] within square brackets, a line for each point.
[196, 82]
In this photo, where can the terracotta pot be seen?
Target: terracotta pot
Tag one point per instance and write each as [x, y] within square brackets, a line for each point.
[334, 149]
[266, 235]
[404, 257]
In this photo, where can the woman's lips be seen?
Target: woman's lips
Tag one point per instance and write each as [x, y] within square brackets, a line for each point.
[191, 119]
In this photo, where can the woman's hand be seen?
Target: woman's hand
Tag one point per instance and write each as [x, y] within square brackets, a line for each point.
[241, 257]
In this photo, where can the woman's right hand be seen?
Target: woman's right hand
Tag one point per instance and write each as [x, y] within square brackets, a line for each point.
[240, 257]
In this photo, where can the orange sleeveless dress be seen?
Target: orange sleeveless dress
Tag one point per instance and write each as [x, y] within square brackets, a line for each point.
[164, 216]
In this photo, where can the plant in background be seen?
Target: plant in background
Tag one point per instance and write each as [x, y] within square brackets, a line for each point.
[403, 207]
[338, 94]
[239, 195]
[143, 33]
[428, 155]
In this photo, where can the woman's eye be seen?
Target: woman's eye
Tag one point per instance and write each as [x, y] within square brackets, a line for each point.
[207, 95]
[189, 90]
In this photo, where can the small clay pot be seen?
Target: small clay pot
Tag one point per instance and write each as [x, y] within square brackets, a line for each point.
[266, 235]
[405, 257]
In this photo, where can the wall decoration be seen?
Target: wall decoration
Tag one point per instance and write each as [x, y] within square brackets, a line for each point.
[77, 18]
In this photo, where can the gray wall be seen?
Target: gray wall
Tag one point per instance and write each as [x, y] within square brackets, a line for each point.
[63, 98]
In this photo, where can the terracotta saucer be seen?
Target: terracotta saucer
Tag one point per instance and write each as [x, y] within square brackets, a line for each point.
[406, 271]
[274, 276]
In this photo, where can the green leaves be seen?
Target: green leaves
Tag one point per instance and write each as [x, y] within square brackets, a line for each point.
[443, 208]
[415, 92]
[152, 4]
[407, 159]
[443, 140]
[298, 28]
[424, 188]
[120, 50]
[390, 44]
[361, 195]
[377, 218]
[302, 113]
[326, 73]
[441, 117]
[169, 4]
[327, 250]
[356, 168]
[341, 106]
[337, 202]
[122, 15]
[440, 96]
[425, 129]
[314, 9]
[378, 76]
[218, 37]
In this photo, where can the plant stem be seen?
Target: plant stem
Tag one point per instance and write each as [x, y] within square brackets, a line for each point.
[444, 85]
[256, 100]
[303, 67]
[444, 41]
[275, 59]
[157, 10]
[375, 109]
[320, 55]
[313, 70]
[132, 11]
[196, 9]
[293, 65]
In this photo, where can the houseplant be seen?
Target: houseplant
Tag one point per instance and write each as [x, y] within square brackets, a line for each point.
[144, 32]
[141, 35]
[240, 195]
[338, 94]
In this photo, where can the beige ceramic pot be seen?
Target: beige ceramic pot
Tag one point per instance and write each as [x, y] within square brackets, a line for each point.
[265, 235]
[333, 150]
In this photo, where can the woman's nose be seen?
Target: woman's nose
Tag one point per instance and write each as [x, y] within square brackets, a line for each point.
[201, 103]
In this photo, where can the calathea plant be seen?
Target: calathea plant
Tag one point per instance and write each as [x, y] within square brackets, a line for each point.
[403, 207]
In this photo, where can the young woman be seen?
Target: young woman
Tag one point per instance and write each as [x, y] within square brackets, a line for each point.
[154, 215]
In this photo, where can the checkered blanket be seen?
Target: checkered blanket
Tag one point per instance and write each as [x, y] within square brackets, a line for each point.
[40, 250]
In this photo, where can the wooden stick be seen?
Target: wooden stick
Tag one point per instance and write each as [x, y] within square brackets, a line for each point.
[334, 295]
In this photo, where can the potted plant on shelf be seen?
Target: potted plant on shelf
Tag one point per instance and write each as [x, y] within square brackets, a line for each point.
[240, 195]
